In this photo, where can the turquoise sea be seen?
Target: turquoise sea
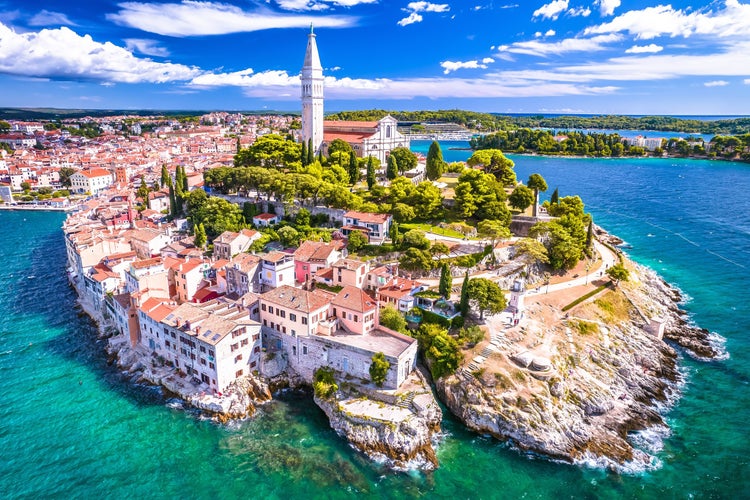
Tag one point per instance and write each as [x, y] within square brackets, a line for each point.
[71, 426]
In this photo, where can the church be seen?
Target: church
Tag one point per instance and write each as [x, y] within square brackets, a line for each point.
[375, 138]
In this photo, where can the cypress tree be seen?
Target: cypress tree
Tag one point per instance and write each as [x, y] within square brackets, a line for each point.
[435, 164]
[590, 235]
[303, 156]
[164, 175]
[391, 171]
[200, 236]
[554, 199]
[172, 202]
[320, 156]
[370, 173]
[185, 187]
[353, 169]
[393, 233]
[310, 151]
[464, 303]
[446, 280]
[239, 146]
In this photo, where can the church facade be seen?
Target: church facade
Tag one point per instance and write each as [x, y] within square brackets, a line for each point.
[373, 138]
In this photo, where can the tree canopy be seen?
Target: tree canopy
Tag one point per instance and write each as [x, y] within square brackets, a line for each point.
[486, 296]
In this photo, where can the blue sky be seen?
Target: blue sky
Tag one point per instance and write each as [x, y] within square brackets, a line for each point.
[558, 56]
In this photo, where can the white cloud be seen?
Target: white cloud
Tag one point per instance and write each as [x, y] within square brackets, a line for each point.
[300, 5]
[510, 6]
[540, 48]
[663, 20]
[716, 83]
[450, 66]
[551, 10]
[487, 60]
[580, 11]
[147, 47]
[40, 55]
[427, 7]
[746, 81]
[733, 62]
[651, 48]
[48, 18]
[335, 68]
[607, 7]
[195, 18]
[550, 33]
[414, 8]
[410, 19]
[538, 34]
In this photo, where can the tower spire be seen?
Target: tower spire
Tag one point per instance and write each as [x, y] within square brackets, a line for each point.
[311, 80]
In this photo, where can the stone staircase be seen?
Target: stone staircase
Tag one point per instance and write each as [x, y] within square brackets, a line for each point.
[407, 401]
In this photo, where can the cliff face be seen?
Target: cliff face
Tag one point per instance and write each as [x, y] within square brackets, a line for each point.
[573, 387]
[398, 428]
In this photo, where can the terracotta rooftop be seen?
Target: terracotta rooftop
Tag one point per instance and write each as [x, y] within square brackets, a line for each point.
[296, 299]
[354, 299]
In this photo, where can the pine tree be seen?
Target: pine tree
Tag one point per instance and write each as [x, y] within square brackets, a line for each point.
[320, 155]
[200, 236]
[391, 171]
[464, 303]
[446, 280]
[303, 155]
[353, 169]
[310, 151]
[370, 173]
[554, 199]
[172, 202]
[435, 164]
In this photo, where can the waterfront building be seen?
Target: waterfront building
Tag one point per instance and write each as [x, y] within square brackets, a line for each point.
[92, 181]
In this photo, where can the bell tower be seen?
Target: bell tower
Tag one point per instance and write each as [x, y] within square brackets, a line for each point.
[312, 94]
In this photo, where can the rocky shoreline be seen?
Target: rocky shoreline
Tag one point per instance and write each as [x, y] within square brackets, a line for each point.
[607, 381]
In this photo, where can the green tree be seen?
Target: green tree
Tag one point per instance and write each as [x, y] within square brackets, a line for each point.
[464, 301]
[537, 183]
[357, 241]
[391, 171]
[26, 186]
[589, 235]
[618, 273]
[4, 126]
[486, 296]
[555, 198]
[414, 259]
[441, 350]
[165, 178]
[270, 151]
[439, 248]
[310, 152]
[379, 367]
[339, 145]
[494, 162]
[143, 191]
[288, 236]
[303, 154]
[371, 179]
[403, 212]
[200, 236]
[303, 218]
[405, 159]
[426, 200]
[391, 318]
[173, 209]
[394, 234]
[521, 197]
[354, 173]
[65, 173]
[435, 164]
[531, 251]
[493, 230]
[415, 238]
[446, 280]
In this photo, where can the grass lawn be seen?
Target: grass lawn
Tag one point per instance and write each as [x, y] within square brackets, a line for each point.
[429, 228]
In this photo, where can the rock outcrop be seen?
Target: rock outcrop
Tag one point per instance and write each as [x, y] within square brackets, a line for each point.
[396, 428]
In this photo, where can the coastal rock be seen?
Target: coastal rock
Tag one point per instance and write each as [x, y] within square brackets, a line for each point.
[398, 428]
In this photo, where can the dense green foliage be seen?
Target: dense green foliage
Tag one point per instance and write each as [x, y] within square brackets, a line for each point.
[565, 237]
[435, 164]
[324, 384]
[391, 318]
[441, 350]
[486, 297]
[356, 241]
[618, 273]
[379, 367]
[446, 280]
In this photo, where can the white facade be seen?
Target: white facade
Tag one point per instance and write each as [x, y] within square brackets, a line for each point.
[385, 138]
[312, 95]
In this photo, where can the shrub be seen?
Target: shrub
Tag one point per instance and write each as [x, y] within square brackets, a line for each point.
[379, 368]
[324, 384]
[471, 335]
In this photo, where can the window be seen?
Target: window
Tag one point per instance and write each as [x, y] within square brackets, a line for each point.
[256, 337]
[265, 323]
[356, 318]
[238, 373]
[270, 309]
[203, 349]
[304, 349]
[335, 312]
[234, 347]
[203, 361]
[211, 365]
[167, 344]
[211, 353]
[238, 358]
[304, 320]
[257, 349]
[292, 316]
[263, 307]
[244, 342]
[283, 329]
[282, 313]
